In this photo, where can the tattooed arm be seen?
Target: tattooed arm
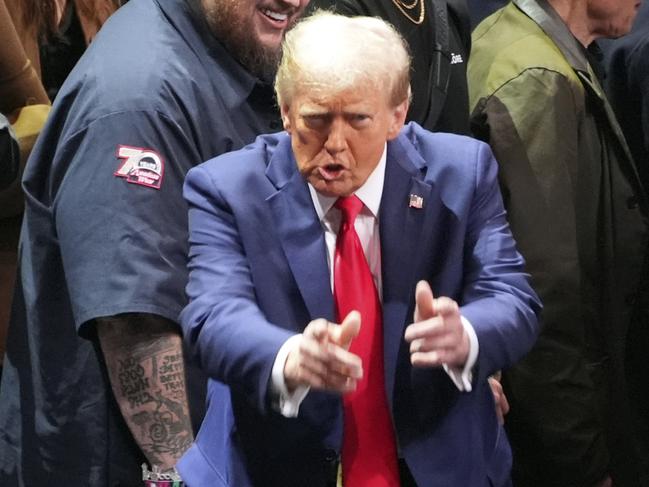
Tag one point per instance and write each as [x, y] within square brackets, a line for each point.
[146, 369]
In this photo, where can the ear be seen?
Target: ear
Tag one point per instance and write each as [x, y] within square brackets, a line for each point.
[398, 118]
[286, 119]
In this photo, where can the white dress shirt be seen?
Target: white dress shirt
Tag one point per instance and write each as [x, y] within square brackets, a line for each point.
[367, 228]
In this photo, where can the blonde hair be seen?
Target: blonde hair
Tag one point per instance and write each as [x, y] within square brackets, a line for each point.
[331, 53]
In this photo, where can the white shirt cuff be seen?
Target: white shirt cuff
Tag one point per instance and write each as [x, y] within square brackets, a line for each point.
[462, 377]
[288, 404]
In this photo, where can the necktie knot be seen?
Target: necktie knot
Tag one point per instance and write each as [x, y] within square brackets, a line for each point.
[350, 206]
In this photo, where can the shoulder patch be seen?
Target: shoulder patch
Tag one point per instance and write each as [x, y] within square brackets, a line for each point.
[140, 166]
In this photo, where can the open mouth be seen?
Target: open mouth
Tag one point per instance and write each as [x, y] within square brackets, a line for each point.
[275, 17]
[330, 172]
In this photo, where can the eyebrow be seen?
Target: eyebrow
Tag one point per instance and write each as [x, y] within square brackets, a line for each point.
[313, 111]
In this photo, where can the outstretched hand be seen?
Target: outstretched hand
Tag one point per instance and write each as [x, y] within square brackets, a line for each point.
[437, 335]
[321, 358]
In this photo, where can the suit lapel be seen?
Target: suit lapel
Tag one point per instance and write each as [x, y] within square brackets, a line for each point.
[401, 237]
[300, 232]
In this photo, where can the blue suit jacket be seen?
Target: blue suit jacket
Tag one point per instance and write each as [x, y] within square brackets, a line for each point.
[259, 274]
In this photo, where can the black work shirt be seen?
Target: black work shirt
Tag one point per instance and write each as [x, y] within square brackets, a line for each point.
[105, 230]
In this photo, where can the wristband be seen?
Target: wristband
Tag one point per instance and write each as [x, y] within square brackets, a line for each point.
[157, 478]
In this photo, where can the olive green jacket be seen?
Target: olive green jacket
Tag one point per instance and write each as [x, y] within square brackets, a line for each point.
[578, 214]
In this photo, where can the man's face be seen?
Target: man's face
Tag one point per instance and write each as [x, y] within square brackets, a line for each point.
[612, 18]
[338, 138]
[253, 30]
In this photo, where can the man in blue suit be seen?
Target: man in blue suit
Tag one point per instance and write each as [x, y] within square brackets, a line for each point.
[265, 286]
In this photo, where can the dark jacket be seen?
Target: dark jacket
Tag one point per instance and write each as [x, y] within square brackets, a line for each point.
[578, 214]
[627, 86]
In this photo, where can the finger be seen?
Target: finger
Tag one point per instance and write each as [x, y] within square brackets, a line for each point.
[502, 401]
[342, 377]
[344, 363]
[446, 307]
[424, 307]
[300, 364]
[500, 414]
[344, 333]
[343, 386]
[424, 329]
[331, 364]
[338, 374]
[331, 383]
[339, 384]
[316, 374]
[446, 341]
[317, 330]
[504, 404]
[312, 356]
[453, 357]
[425, 359]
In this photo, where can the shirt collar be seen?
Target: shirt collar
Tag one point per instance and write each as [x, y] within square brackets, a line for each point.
[369, 193]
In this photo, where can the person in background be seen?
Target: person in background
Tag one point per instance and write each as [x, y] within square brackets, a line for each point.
[21, 93]
[579, 215]
[627, 86]
[40, 41]
[9, 156]
[481, 9]
[394, 232]
[95, 382]
[439, 39]
[55, 33]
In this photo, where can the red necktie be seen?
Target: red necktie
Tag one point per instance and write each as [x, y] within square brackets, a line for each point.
[369, 456]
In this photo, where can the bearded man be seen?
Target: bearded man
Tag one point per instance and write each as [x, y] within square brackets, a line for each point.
[94, 379]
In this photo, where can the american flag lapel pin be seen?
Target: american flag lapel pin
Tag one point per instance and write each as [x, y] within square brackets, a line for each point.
[416, 201]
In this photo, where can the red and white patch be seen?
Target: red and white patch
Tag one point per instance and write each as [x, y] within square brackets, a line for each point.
[141, 166]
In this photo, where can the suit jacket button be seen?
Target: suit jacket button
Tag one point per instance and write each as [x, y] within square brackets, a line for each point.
[632, 202]
[630, 299]
[330, 455]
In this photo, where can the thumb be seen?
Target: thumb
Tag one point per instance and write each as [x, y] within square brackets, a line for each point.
[424, 307]
[344, 333]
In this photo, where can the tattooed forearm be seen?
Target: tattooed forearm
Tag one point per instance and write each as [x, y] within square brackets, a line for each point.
[134, 384]
[172, 374]
[145, 365]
